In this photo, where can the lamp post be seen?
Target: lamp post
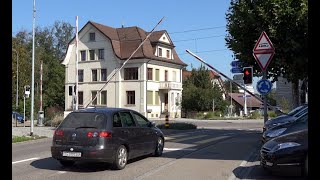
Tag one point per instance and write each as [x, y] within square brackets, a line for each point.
[17, 95]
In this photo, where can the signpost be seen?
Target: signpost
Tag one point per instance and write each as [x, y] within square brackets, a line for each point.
[236, 70]
[263, 52]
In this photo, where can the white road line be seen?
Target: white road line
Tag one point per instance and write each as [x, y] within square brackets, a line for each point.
[178, 149]
[15, 162]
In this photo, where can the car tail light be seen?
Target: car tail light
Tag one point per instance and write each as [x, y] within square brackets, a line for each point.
[105, 134]
[98, 134]
[58, 133]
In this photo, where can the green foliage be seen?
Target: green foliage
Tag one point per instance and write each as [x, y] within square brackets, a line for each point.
[234, 88]
[50, 46]
[209, 115]
[255, 115]
[199, 92]
[286, 24]
[272, 114]
[178, 126]
[16, 139]
[284, 104]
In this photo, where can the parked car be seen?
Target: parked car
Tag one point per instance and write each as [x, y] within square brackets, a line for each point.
[285, 118]
[286, 152]
[112, 135]
[18, 116]
[299, 124]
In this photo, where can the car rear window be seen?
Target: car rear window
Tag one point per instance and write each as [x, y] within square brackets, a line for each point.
[84, 119]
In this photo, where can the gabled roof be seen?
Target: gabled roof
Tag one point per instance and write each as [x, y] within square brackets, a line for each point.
[126, 39]
[212, 74]
[251, 101]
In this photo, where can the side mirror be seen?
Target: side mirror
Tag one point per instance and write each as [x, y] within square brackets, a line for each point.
[152, 124]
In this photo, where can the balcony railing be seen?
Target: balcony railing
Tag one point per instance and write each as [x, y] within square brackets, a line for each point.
[170, 85]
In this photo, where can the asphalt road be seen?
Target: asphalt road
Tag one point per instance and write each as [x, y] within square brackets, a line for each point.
[227, 152]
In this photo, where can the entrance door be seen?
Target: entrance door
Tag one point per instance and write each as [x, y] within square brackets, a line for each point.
[166, 102]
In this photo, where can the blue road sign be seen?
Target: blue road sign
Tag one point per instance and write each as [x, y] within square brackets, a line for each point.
[264, 86]
[236, 63]
[236, 70]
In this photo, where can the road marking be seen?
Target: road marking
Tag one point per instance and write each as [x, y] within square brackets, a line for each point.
[177, 149]
[187, 138]
[211, 139]
[15, 162]
[61, 172]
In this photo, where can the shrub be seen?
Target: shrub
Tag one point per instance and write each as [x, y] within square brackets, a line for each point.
[179, 126]
[209, 115]
[255, 115]
[272, 114]
[56, 120]
[200, 115]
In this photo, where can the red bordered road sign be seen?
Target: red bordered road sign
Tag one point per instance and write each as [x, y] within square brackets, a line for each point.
[263, 51]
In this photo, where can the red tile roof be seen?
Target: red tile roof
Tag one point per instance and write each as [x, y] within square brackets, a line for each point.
[125, 40]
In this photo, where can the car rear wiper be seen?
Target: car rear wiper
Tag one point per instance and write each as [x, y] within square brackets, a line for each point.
[86, 127]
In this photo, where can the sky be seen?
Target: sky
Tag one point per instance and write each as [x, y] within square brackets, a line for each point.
[199, 26]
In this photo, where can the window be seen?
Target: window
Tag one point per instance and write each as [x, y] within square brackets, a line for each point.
[174, 76]
[149, 73]
[157, 75]
[101, 54]
[156, 98]
[93, 95]
[141, 120]
[83, 55]
[94, 75]
[103, 74]
[91, 54]
[126, 119]
[150, 97]
[160, 52]
[130, 97]
[92, 36]
[165, 75]
[103, 97]
[130, 73]
[116, 121]
[168, 54]
[80, 75]
[80, 97]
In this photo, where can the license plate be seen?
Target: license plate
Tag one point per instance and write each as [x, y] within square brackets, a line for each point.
[71, 154]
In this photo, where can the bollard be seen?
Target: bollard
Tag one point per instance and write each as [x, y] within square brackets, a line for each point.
[167, 122]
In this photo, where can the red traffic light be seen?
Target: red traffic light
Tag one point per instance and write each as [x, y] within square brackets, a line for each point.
[247, 75]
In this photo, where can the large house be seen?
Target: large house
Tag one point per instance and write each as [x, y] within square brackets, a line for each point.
[150, 82]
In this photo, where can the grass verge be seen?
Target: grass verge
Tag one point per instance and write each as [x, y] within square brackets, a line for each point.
[16, 139]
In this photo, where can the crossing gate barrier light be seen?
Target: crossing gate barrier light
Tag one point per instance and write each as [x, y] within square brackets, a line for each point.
[167, 122]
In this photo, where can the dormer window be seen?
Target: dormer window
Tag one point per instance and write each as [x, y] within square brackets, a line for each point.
[160, 52]
[164, 38]
[168, 54]
[92, 36]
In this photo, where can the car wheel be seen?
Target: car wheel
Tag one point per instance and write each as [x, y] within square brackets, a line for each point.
[159, 147]
[305, 170]
[121, 158]
[66, 163]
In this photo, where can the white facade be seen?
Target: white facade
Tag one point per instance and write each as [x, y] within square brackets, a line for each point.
[166, 92]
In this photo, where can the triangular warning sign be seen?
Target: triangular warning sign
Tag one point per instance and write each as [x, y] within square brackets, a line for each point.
[263, 59]
[263, 43]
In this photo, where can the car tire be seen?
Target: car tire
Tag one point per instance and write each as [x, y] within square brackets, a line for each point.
[121, 158]
[66, 163]
[159, 147]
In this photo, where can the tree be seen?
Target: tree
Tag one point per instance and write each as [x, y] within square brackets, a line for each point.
[286, 24]
[234, 88]
[50, 46]
[199, 92]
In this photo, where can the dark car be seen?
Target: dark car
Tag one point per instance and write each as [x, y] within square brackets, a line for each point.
[112, 135]
[286, 153]
[285, 118]
[297, 125]
[18, 116]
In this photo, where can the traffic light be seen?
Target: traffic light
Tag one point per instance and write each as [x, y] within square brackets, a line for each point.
[247, 75]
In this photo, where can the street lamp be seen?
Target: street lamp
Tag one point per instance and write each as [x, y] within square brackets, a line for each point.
[17, 96]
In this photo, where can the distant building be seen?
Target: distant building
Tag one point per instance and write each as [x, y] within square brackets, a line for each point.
[150, 82]
[238, 102]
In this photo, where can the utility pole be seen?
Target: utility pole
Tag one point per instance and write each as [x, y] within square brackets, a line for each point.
[245, 102]
[77, 67]
[32, 84]
[41, 115]
[17, 94]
